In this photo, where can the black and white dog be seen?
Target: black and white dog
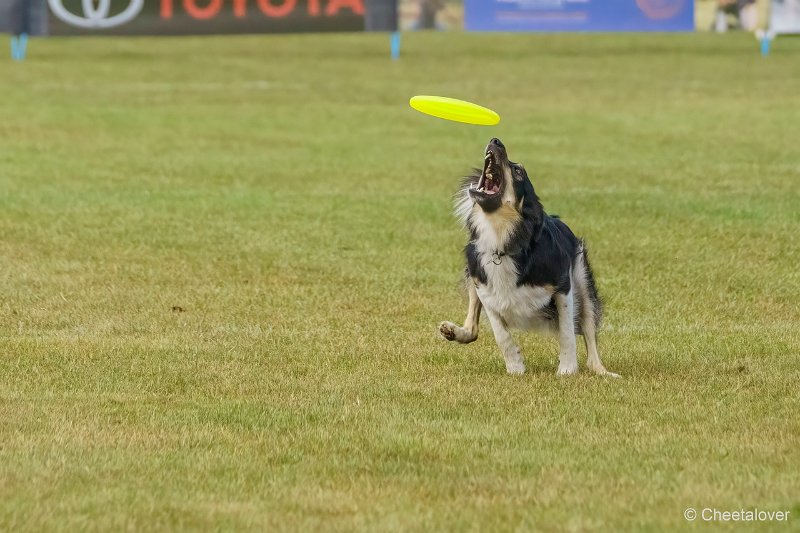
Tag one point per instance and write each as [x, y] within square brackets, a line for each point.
[527, 269]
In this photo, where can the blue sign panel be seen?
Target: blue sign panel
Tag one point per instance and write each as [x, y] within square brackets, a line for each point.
[579, 15]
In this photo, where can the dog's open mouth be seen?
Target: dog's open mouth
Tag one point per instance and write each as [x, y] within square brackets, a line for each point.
[491, 181]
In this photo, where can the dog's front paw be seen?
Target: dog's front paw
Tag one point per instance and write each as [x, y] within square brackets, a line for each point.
[515, 369]
[567, 369]
[448, 330]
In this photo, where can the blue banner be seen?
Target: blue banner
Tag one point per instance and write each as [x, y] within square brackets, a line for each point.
[579, 15]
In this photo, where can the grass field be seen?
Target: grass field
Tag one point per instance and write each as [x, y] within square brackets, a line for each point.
[223, 263]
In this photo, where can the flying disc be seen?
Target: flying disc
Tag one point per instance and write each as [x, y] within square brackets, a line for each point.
[457, 110]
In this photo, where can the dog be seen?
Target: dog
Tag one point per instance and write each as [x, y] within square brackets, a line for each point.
[526, 269]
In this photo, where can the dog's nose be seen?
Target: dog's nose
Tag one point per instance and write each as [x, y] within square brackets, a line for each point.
[497, 142]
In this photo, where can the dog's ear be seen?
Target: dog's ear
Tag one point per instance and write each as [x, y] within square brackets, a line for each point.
[518, 171]
[530, 207]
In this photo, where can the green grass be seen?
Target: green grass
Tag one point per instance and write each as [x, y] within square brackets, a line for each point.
[279, 190]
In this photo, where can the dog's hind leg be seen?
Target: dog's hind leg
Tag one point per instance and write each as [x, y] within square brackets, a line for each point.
[511, 352]
[590, 313]
[590, 338]
[568, 352]
[469, 332]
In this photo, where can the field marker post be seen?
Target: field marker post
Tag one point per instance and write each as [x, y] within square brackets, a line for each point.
[765, 38]
[395, 44]
[19, 46]
[764, 45]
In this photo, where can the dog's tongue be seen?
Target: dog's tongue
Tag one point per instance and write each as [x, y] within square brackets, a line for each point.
[488, 181]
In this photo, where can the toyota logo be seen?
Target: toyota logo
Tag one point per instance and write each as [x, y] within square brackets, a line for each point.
[96, 16]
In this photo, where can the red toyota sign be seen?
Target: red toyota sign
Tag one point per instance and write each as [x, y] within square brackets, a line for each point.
[185, 17]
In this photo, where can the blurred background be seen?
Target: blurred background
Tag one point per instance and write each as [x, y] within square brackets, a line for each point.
[60, 17]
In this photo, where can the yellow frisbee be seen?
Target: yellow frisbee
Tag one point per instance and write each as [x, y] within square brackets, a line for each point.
[457, 110]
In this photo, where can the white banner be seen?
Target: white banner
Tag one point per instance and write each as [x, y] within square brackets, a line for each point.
[784, 16]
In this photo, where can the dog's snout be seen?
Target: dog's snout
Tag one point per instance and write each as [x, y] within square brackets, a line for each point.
[497, 142]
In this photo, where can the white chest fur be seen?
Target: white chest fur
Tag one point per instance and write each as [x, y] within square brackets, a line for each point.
[520, 307]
